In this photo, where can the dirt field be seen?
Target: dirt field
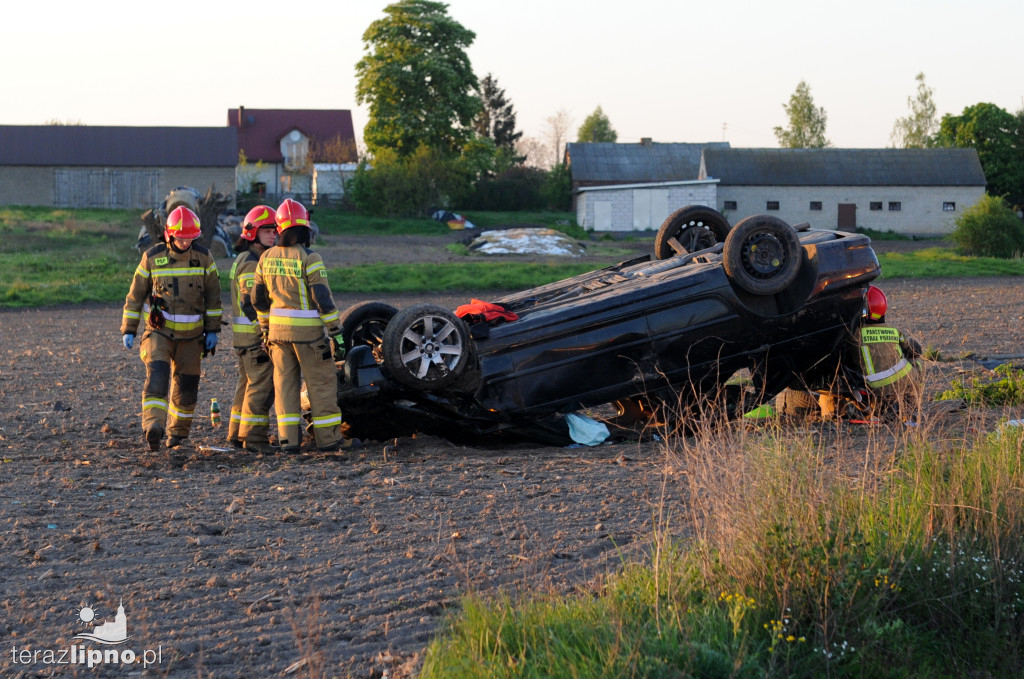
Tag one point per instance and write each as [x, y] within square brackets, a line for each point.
[229, 564]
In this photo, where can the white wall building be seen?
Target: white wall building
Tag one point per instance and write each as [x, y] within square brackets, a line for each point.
[637, 207]
[906, 191]
[329, 181]
[626, 187]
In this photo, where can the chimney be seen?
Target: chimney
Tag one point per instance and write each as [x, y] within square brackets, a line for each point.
[241, 116]
[645, 141]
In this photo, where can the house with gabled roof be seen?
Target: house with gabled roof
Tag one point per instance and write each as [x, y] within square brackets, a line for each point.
[279, 146]
[112, 167]
[625, 187]
[907, 191]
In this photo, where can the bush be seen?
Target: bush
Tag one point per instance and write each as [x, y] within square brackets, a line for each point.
[558, 188]
[518, 188]
[412, 186]
[989, 228]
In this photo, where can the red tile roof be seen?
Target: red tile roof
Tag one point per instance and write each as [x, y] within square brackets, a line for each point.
[260, 129]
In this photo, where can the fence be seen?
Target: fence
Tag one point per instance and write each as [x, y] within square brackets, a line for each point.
[106, 188]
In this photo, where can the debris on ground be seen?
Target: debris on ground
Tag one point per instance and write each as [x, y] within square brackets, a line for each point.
[527, 241]
[454, 221]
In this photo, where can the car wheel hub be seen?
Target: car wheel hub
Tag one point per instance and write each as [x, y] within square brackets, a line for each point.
[433, 342]
[763, 256]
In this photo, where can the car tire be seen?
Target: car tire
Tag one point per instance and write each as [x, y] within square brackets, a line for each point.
[762, 255]
[427, 347]
[696, 227]
[364, 323]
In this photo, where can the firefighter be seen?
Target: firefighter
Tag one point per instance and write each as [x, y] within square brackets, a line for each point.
[300, 322]
[254, 394]
[888, 360]
[177, 290]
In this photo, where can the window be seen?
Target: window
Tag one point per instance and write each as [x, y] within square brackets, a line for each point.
[875, 205]
[895, 206]
[729, 205]
[816, 205]
[294, 148]
[948, 206]
[773, 205]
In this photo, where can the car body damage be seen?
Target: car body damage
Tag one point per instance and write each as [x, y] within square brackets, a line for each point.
[646, 335]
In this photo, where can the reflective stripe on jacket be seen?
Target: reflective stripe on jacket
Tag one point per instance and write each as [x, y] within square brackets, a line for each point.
[289, 275]
[246, 333]
[882, 359]
[186, 287]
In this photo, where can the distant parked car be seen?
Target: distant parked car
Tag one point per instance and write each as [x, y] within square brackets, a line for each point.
[673, 330]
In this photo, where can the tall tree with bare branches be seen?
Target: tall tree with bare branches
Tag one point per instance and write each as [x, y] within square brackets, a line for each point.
[557, 133]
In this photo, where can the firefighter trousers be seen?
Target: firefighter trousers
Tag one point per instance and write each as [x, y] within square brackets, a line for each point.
[254, 396]
[315, 362]
[172, 382]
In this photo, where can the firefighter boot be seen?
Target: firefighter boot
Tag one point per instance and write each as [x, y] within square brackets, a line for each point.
[153, 436]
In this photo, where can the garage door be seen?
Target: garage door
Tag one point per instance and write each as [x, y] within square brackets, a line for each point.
[602, 215]
[650, 207]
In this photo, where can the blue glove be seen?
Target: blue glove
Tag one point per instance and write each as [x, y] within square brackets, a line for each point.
[127, 340]
[211, 341]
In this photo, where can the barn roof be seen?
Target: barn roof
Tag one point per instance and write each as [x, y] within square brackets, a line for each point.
[260, 129]
[643, 162]
[843, 167]
[73, 145]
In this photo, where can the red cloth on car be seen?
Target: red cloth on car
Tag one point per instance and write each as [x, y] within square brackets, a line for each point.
[478, 311]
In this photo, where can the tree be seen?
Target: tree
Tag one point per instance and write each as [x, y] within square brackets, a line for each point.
[497, 119]
[998, 136]
[596, 127]
[534, 152]
[918, 129]
[806, 123]
[556, 133]
[417, 79]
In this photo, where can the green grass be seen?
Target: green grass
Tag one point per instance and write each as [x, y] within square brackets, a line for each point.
[886, 235]
[469, 276]
[52, 256]
[912, 568]
[334, 221]
[941, 262]
[1004, 388]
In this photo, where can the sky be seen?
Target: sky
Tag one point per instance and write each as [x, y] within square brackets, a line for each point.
[672, 70]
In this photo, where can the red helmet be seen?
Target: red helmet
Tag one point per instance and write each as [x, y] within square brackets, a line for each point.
[181, 223]
[256, 218]
[876, 304]
[291, 213]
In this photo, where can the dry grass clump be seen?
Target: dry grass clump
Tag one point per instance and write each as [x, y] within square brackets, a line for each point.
[815, 550]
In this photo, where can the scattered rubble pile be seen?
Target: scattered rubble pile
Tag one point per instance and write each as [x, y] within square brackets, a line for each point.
[526, 241]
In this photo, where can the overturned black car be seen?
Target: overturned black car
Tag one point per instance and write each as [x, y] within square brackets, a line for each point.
[662, 335]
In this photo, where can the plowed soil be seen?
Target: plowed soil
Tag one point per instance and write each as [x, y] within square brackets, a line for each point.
[235, 565]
